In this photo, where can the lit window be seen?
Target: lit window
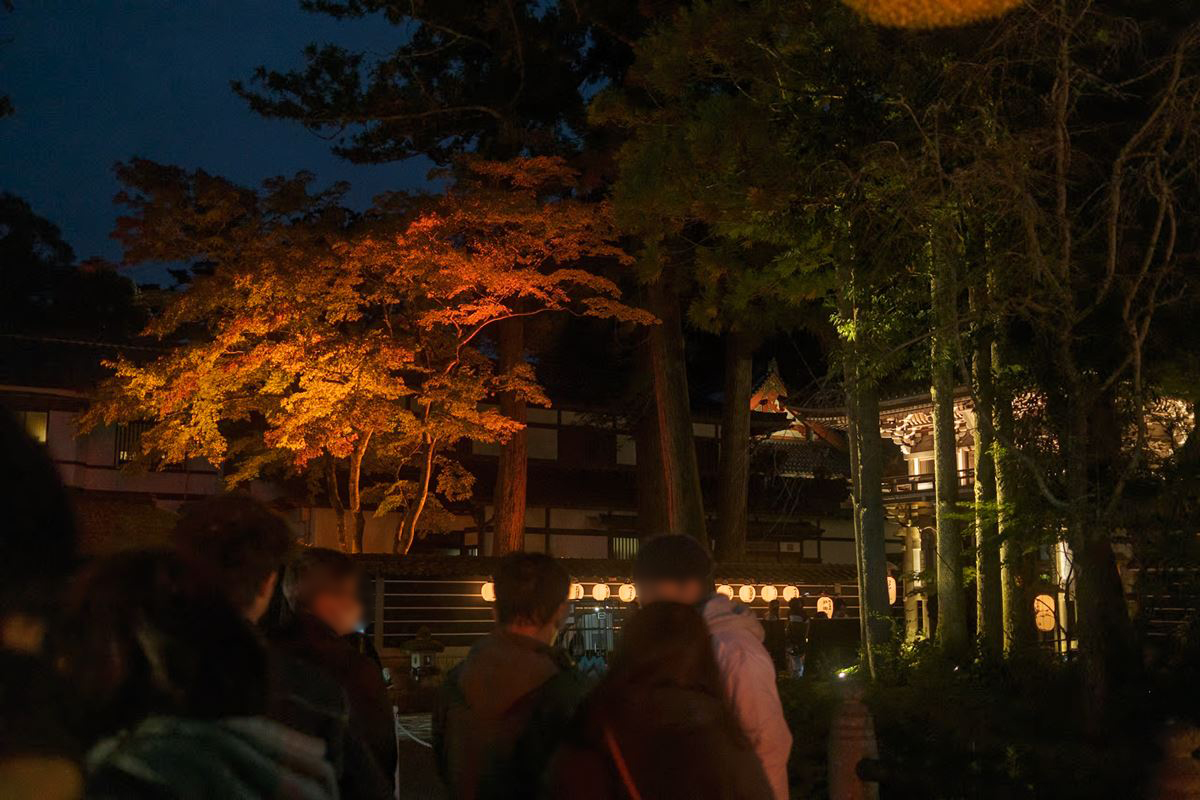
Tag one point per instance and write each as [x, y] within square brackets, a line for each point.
[129, 440]
[35, 423]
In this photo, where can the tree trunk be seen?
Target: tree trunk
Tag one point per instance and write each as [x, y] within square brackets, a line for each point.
[1015, 577]
[989, 608]
[355, 496]
[871, 544]
[512, 469]
[335, 499]
[408, 525]
[952, 617]
[733, 479]
[677, 444]
[652, 508]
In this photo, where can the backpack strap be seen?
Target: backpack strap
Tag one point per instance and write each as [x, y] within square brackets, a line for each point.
[618, 758]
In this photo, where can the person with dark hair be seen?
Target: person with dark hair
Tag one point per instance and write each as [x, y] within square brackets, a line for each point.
[797, 636]
[775, 639]
[503, 711]
[244, 546]
[679, 569]
[658, 725]
[174, 681]
[40, 754]
[322, 590]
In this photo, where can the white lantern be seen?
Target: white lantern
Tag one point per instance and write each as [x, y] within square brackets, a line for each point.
[746, 594]
[600, 592]
[790, 593]
[892, 589]
[825, 605]
[627, 593]
[576, 591]
[725, 589]
[1044, 618]
[488, 592]
[770, 593]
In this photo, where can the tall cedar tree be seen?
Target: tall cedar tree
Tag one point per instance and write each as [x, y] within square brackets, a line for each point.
[498, 79]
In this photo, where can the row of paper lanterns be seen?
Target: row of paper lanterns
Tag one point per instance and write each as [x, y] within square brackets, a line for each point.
[747, 593]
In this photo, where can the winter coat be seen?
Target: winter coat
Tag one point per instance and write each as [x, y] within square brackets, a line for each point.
[246, 758]
[372, 721]
[748, 674]
[668, 742]
[500, 716]
[307, 700]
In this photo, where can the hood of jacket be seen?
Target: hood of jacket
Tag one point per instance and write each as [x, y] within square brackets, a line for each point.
[502, 668]
[247, 758]
[726, 619]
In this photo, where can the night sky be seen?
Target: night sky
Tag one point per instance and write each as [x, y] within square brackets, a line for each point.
[98, 82]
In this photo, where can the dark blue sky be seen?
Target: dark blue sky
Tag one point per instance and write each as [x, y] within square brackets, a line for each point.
[99, 81]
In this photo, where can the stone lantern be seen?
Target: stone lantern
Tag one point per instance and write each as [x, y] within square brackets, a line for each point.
[422, 650]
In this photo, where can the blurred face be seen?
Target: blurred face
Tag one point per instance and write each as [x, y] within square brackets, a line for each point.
[262, 601]
[339, 606]
[688, 592]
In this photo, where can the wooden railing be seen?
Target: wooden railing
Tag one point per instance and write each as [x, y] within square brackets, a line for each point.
[924, 483]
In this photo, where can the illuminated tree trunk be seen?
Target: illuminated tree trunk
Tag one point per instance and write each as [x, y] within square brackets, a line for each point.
[335, 499]
[733, 477]
[952, 617]
[408, 525]
[355, 496]
[512, 470]
[677, 444]
[989, 608]
[1017, 605]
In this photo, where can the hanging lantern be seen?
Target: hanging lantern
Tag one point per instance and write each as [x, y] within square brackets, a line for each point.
[1044, 618]
[488, 592]
[892, 591]
[930, 13]
[770, 594]
[825, 605]
[600, 592]
[576, 591]
[627, 593]
[790, 593]
[746, 594]
[725, 589]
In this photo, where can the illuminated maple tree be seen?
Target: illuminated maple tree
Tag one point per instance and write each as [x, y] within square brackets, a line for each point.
[317, 334]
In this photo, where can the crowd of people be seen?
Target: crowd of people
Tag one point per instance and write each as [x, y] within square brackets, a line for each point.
[225, 666]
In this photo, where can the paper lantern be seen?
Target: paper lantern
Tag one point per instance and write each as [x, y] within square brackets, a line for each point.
[825, 605]
[790, 593]
[576, 591]
[770, 594]
[488, 592]
[600, 592]
[746, 594]
[627, 593]
[892, 591]
[1044, 618]
[930, 13]
[726, 590]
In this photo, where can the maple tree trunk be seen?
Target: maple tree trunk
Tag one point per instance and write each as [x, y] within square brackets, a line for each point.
[408, 525]
[335, 499]
[733, 479]
[872, 543]
[952, 617]
[355, 496]
[512, 468]
[677, 444]
[989, 607]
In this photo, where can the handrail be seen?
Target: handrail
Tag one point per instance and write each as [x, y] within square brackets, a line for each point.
[923, 483]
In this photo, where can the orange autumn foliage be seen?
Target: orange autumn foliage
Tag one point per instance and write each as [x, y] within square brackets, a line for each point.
[313, 332]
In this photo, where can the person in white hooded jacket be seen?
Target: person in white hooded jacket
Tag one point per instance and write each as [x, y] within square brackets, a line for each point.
[679, 569]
